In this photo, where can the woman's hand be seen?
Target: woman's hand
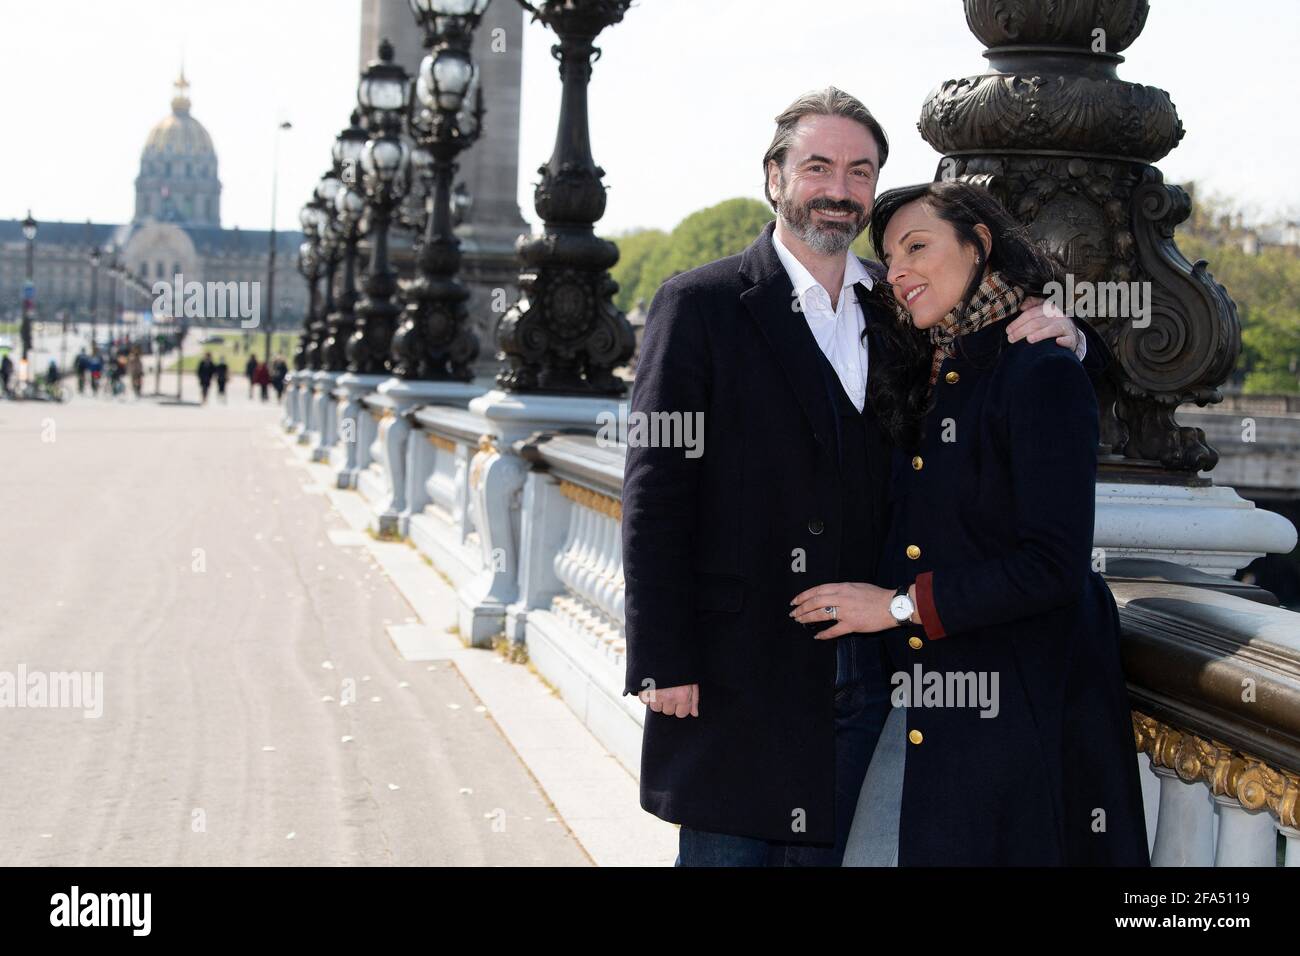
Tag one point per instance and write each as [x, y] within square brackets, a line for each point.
[861, 608]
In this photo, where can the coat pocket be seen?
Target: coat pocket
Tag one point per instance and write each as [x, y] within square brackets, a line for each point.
[720, 592]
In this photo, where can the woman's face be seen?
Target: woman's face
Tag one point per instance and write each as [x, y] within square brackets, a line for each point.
[929, 268]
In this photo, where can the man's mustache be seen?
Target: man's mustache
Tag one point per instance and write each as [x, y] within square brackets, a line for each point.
[837, 205]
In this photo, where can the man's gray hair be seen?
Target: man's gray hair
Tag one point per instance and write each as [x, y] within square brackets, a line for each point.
[828, 102]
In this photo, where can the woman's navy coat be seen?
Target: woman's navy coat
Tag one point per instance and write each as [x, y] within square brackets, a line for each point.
[997, 506]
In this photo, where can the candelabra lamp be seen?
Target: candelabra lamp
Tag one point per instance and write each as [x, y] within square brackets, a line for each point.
[384, 169]
[565, 334]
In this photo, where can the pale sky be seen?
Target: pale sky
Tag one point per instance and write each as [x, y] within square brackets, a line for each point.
[682, 100]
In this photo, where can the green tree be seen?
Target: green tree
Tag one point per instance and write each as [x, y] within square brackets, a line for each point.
[649, 257]
[1266, 288]
[634, 250]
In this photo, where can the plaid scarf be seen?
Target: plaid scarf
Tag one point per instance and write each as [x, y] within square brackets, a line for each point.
[994, 300]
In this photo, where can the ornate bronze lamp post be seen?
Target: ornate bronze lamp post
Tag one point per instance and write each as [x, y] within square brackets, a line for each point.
[433, 348]
[563, 338]
[324, 350]
[1068, 147]
[346, 208]
[310, 267]
[324, 378]
[565, 334]
[384, 94]
[434, 342]
[381, 176]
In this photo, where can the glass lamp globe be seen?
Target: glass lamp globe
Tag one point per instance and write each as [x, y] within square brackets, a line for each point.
[446, 76]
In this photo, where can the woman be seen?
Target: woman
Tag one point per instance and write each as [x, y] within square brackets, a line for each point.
[1010, 741]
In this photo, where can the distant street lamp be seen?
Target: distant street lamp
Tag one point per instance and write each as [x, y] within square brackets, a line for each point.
[384, 94]
[94, 294]
[344, 234]
[446, 116]
[309, 267]
[29, 289]
[270, 259]
[114, 267]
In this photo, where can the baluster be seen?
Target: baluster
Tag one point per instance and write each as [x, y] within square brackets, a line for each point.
[1246, 837]
[1185, 828]
[1291, 854]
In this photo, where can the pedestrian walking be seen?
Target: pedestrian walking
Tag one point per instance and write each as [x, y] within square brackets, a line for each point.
[279, 372]
[223, 374]
[6, 372]
[262, 378]
[135, 368]
[250, 368]
[117, 373]
[206, 370]
[82, 365]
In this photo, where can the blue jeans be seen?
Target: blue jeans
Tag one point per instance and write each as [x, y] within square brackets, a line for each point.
[861, 708]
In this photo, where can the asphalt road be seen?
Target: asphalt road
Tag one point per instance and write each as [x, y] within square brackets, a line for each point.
[253, 709]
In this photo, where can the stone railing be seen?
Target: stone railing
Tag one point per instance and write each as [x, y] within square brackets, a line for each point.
[1214, 677]
[524, 523]
[569, 610]
[439, 514]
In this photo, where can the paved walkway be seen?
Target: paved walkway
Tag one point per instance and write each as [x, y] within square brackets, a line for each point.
[254, 708]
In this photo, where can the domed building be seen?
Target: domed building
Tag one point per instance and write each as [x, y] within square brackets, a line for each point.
[175, 230]
[175, 222]
[178, 169]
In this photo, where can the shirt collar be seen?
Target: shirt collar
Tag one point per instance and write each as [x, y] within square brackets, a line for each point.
[802, 279]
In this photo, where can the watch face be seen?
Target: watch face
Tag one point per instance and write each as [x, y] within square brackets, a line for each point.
[901, 608]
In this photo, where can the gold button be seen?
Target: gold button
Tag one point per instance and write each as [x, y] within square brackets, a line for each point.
[915, 736]
[913, 552]
[914, 643]
[952, 378]
[917, 463]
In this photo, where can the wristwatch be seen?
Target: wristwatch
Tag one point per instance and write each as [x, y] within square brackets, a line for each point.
[901, 607]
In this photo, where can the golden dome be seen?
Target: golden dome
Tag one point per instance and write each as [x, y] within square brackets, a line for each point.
[179, 134]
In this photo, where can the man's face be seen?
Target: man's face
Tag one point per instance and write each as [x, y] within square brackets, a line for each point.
[825, 191]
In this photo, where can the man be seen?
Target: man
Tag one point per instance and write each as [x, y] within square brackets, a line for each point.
[222, 371]
[207, 368]
[279, 371]
[757, 736]
[250, 369]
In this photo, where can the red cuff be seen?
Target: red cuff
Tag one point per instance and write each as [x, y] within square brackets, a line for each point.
[925, 605]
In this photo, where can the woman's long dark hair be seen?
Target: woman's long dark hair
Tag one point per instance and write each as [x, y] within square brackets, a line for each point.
[898, 386]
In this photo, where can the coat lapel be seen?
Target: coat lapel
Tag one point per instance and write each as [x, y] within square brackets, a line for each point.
[769, 301]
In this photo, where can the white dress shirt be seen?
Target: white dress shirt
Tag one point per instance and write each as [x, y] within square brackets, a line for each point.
[838, 330]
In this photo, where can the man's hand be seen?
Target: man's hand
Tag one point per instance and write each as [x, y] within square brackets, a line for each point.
[1040, 320]
[859, 609]
[681, 701]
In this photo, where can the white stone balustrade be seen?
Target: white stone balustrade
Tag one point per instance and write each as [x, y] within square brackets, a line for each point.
[440, 520]
[523, 519]
[1217, 806]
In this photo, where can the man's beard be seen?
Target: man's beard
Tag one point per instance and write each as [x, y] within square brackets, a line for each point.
[823, 237]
